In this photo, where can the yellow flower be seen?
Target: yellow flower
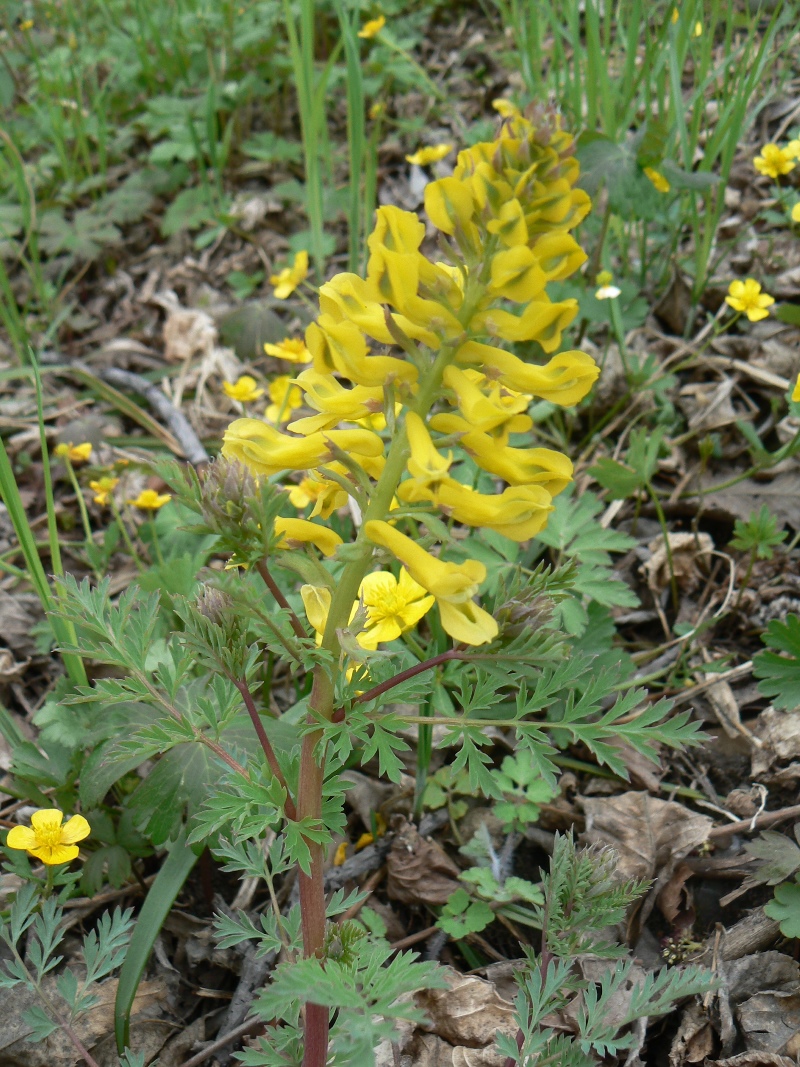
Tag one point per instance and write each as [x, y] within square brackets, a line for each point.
[796, 390]
[505, 108]
[372, 28]
[289, 278]
[244, 390]
[675, 16]
[429, 154]
[698, 29]
[325, 495]
[453, 584]
[150, 500]
[74, 453]
[607, 290]
[393, 606]
[26, 25]
[285, 397]
[747, 297]
[793, 149]
[658, 180]
[267, 451]
[47, 839]
[378, 110]
[796, 212]
[293, 350]
[102, 489]
[774, 161]
[297, 532]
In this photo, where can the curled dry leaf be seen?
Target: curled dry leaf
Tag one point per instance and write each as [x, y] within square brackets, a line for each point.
[694, 1039]
[649, 835]
[754, 1059]
[779, 733]
[688, 550]
[770, 1022]
[469, 1012]
[419, 871]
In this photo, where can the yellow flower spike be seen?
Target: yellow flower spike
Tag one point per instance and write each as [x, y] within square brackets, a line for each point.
[393, 605]
[510, 224]
[150, 500]
[506, 109]
[746, 297]
[563, 380]
[657, 180]
[520, 466]
[327, 395]
[74, 453]
[426, 465]
[102, 489]
[297, 532]
[516, 275]
[293, 350]
[49, 838]
[453, 584]
[372, 28]
[541, 320]
[287, 280]
[774, 161]
[519, 512]
[285, 397]
[423, 157]
[559, 255]
[245, 389]
[448, 204]
[796, 390]
[340, 347]
[267, 451]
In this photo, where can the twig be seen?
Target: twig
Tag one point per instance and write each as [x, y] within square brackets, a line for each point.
[241, 1031]
[769, 818]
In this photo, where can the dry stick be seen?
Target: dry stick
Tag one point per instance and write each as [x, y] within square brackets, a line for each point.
[241, 1031]
[269, 751]
[767, 819]
[281, 600]
[176, 421]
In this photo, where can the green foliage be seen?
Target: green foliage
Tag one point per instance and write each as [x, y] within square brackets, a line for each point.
[778, 864]
[785, 908]
[759, 535]
[582, 898]
[780, 674]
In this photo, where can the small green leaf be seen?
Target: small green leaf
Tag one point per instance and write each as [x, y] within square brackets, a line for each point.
[785, 908]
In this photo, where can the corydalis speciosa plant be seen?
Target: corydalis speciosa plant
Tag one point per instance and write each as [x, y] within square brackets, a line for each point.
[386, 422]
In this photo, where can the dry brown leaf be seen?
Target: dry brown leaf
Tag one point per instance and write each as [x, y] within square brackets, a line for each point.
[754, 1059]
[770, 1022]
[694, 1039]
[676, 899]
[469, 1012]
[648, 834]
[687, 550]
[779, 732]
[418, 870]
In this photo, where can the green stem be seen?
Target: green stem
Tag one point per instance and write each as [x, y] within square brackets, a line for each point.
[126, 537]
[662, 520]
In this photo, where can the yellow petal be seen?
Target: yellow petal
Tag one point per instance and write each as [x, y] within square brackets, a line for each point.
[46, 820]
[54, 854]
[21, 837]
[75, 829]
[467, 622]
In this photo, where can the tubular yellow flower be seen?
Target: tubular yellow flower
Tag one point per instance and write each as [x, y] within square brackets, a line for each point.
[426, 465]
[328, 396]
[297, 532]
[49, 838]
[746, 296]
[285, 397]
[452, 584]
[74, 453]
[372, 28]
[796, 390]
[564, 380]
[494, 413]
[698, 29]
[657, 179]
[102, 489]
[393, 605]
[150, 500]
[520, 466]
[429, 154]
[774, 161]
[293, 350]
[317, 603]
[267, 451]
[287, 280]
[542, 321]
[326, 496]
[244, 389]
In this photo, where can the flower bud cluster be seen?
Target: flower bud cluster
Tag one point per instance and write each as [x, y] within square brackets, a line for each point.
[408, 364]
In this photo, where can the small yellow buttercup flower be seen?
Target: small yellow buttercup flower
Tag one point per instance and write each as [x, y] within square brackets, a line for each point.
[746, 297]
[244, 389]
[74, 453]
[659, 182]
[49, 838]
[698, 29]
[287, 280]
[293, 350]
[286, 397]
[429, 154]
[606, 290]
[774, 161]
[796, 212]
[102, 489]
[393, 605]
[372, 28]
[150, 500]
[796, 390]
[377, 110]
[26, 25]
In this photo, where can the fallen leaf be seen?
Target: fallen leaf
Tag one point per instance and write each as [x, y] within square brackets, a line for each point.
[687, 549]
[469, 1012]
[779, 733]
[770, 1022]
[419, 871]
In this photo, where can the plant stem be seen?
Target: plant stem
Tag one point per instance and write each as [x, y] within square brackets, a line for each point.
[280, 599]
[269, 751]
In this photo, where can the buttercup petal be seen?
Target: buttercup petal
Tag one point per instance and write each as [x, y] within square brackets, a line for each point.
[75, 829]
